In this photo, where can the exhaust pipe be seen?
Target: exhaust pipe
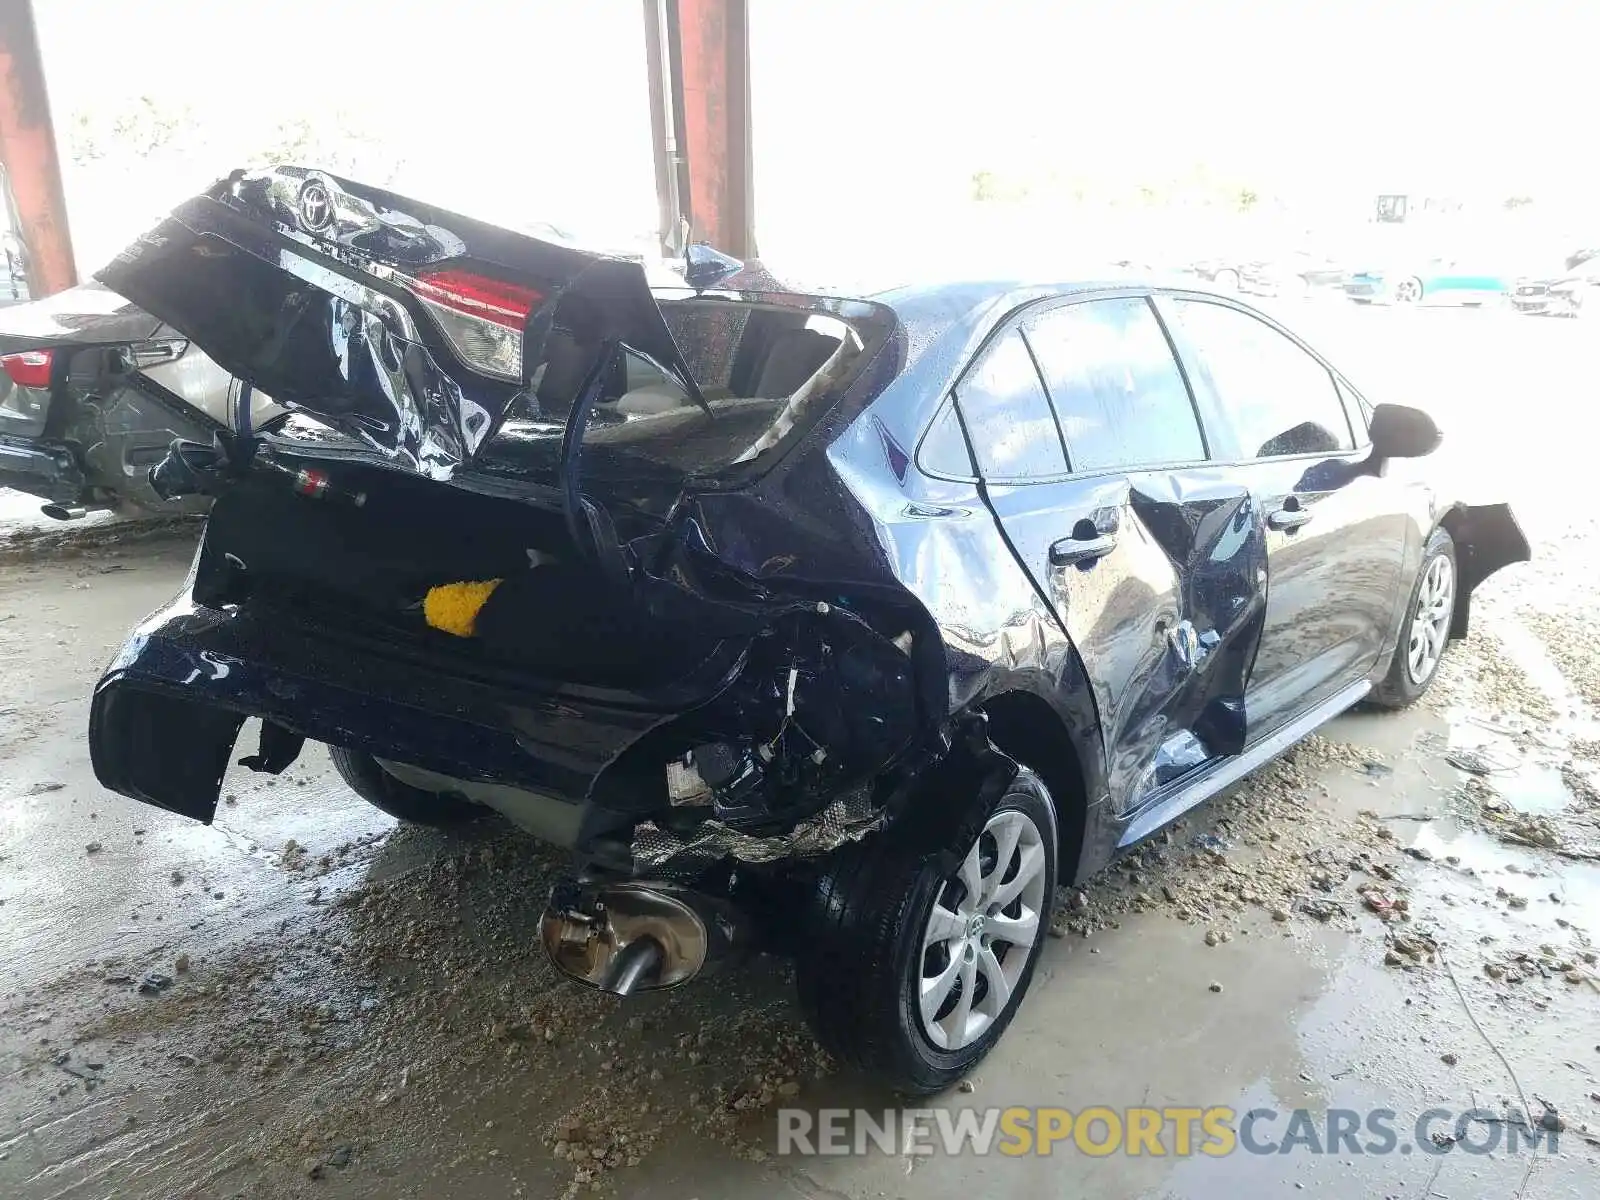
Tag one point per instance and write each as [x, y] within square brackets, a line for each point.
[628, 937]
[63, 512]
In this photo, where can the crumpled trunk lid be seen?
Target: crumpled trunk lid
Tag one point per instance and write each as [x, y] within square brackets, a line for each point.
[408, 327]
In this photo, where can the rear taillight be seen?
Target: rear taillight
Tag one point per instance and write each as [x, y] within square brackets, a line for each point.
[483, 317]
[505, 304]
[28, 368]
[156, 353]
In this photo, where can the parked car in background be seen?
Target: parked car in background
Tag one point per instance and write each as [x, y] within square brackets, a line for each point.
[1290, 273]
[1297, 273]
[1435, 281]
[1221, 273]
[1572, 292]
[846, 627]
[93, 391]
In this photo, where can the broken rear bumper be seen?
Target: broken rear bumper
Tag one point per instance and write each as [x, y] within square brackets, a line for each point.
[166, 713]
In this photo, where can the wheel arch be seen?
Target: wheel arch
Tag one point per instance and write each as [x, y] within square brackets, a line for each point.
[1025, 727]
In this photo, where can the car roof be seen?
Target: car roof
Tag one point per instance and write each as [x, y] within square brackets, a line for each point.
[944, 324]
[923, 300]
[930, 312]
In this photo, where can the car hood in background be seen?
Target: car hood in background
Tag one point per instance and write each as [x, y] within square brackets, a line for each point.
[381, 316]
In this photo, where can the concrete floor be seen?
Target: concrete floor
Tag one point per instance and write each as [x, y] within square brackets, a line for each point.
[364, 1013]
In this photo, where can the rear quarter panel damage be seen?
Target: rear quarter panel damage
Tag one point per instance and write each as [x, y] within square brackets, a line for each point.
[994, 634]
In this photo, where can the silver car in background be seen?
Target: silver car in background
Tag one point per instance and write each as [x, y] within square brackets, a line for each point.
[1574, 292]
[93, 391]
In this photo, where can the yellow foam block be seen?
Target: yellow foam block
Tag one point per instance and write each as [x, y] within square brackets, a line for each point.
[454, 607]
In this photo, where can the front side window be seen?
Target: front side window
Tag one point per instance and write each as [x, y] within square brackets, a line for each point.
[1356, 407]
[1117, 388]
[1276, 398]
[1008, 417]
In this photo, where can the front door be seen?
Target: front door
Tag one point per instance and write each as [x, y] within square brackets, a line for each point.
[1154, 563]
[1335, 528]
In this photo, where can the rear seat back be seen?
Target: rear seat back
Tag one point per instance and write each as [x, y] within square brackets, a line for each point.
[792, 359]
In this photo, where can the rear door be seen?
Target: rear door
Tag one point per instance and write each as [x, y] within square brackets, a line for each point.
[1335, 530]
[1093, 462]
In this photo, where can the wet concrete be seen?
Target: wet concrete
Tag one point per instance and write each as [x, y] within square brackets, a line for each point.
[20, 511]
[363, 1012]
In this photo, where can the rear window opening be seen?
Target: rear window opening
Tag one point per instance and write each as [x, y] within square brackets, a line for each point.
[764, 371]
[767, 371]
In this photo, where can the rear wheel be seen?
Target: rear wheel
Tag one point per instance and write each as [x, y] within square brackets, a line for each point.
[913, 975]
[400, 800]
[1426, 631]
[1226, 281]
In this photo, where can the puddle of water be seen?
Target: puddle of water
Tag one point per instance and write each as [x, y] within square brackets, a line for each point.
[1483, 858]
[207, 840]
[1533, 788]
[1527, 778]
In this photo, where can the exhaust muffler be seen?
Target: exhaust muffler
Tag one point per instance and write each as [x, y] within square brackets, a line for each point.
[64, 512]
[634, 936]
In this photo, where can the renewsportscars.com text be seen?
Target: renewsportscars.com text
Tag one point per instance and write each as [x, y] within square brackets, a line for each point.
[1171, 1131]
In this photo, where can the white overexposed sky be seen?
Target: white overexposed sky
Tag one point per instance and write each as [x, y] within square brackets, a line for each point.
[871, 117]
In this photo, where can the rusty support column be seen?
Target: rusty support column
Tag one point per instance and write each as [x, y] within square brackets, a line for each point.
[700, 61]
[28, 151]
[660, 22]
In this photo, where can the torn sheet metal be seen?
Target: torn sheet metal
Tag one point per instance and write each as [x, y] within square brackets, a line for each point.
[658, 851]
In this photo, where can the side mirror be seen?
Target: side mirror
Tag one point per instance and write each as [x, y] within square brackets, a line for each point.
[1401, 432]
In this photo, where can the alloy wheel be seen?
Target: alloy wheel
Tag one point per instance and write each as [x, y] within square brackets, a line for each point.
[1407, 291]
[1430, 623]
[982, 930]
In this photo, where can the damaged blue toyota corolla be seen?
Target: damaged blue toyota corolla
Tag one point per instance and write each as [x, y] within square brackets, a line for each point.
[841, 628]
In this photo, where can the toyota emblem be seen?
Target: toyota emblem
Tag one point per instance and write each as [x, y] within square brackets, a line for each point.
[316, 207]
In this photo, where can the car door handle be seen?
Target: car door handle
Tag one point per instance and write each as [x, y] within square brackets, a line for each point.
[1289, 519]
[1071, 550]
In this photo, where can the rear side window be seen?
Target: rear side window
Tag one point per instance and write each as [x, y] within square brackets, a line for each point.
[944, 446]
[1275, 398]
[1117, 388]
[1008, 417]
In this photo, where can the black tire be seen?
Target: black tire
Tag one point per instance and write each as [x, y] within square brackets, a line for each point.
[860, 971]
[400, 800]
[1400, 687]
